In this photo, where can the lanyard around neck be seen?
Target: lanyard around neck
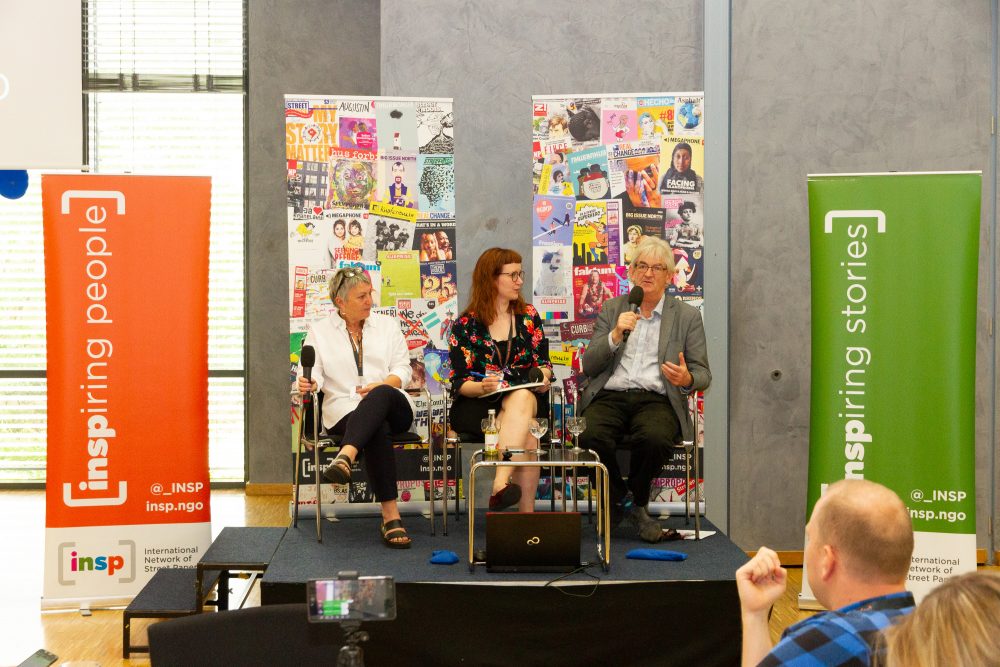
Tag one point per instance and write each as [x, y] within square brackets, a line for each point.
[357, 347]
[510, 344]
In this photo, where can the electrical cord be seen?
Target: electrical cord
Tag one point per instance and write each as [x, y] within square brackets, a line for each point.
[583, 569]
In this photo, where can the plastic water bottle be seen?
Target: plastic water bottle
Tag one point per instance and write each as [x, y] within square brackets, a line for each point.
[491, 437]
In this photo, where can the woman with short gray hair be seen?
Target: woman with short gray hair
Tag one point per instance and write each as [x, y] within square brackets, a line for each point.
[362, 363]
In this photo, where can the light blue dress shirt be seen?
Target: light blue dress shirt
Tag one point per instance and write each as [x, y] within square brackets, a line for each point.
[639, 366]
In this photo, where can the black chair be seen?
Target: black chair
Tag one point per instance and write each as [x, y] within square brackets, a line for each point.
[270, 635]
[313, 435]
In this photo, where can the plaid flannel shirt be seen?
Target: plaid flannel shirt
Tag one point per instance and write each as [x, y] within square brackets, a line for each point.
[842, 637]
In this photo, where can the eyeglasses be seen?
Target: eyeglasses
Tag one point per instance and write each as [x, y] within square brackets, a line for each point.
[342, 275]
[642, 267]
[514, 275]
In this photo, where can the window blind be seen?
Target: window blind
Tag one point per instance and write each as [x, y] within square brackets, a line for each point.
[163, 94]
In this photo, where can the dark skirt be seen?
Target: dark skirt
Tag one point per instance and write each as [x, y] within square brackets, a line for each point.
[467, 413]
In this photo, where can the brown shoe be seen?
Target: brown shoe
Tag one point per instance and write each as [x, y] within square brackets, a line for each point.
[649, 529]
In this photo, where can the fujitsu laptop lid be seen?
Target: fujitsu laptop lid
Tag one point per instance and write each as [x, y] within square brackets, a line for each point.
[532, 542]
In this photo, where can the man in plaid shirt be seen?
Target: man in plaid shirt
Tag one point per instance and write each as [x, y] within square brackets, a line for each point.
[858, 547]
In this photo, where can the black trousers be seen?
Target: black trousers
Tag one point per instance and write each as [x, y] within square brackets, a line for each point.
[652, 425]
[382, 412]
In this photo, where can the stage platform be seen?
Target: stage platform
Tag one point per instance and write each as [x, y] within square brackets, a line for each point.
[640, 612]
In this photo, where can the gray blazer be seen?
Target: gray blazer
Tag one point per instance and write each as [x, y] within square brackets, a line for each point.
[681, 330]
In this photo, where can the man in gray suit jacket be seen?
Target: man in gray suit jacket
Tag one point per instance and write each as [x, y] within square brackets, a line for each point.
[640, 368]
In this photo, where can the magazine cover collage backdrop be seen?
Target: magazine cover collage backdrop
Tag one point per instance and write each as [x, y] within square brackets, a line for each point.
[609, 170]
[371, 183]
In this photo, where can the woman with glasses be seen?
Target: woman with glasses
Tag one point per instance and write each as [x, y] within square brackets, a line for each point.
[362, 362]
[494, 344]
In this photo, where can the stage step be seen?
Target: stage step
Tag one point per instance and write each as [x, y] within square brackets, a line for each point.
[169, 594]
[239, 549]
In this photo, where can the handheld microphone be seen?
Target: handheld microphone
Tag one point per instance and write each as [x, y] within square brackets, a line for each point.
[635, 298]
[307, 359]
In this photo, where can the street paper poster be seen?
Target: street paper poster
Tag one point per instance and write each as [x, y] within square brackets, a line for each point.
[590, 234]
[310, 130]
[655, 117]
[400, 275]
[588, 170]
[438, 280]
[435, 128]
[688, 114]
[389, 228]
[346, 238]
[618, 120]
[353, 178]
[681, 165]
[308, 184]
[553, 288]
[308, 240]
[398, 179]
[397, 124]
[592, 286]
[635, 173]
[437, 183]
[552, 220]
[435, 239]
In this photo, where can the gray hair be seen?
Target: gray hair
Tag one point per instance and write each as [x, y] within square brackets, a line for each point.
[659, 249]
[346, 279]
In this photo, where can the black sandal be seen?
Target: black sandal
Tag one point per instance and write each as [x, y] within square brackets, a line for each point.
[339, 471]
[394, 535]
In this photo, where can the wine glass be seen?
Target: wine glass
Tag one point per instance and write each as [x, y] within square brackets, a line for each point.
[576, 426]
[538, 427]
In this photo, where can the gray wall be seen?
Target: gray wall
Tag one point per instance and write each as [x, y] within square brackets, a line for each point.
[816, 87]
[822, 87]
[493, 56]
[279, 64]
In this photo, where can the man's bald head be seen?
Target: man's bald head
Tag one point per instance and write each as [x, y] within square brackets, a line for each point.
[869, 527]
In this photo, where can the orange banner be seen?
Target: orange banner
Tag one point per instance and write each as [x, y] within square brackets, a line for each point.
[126, 272]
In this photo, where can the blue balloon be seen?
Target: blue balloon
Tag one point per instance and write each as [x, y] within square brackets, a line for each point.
[13, 183]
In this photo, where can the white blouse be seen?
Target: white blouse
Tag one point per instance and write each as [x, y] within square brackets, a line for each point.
[384, 353]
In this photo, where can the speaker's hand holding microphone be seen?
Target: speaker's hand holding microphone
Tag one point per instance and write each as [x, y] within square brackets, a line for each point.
[307, 360]
[629, 318]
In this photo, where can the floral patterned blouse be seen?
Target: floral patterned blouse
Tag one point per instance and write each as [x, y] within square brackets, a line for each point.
[473, 350]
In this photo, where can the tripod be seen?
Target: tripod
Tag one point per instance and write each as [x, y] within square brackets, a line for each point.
[351, 654]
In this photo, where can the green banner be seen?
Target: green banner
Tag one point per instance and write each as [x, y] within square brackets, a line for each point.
[894, 274]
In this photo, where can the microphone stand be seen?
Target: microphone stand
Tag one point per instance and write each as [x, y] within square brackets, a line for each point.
[309, 398]
[319, 499]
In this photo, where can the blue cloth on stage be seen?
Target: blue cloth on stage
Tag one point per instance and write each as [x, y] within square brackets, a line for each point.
[444, 557]
[656, 554]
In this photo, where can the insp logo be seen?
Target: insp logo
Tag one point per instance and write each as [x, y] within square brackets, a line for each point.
[4, 87]
[74, 563]
[534, 540]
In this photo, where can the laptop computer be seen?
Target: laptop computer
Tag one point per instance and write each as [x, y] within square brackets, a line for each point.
[532, 542]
